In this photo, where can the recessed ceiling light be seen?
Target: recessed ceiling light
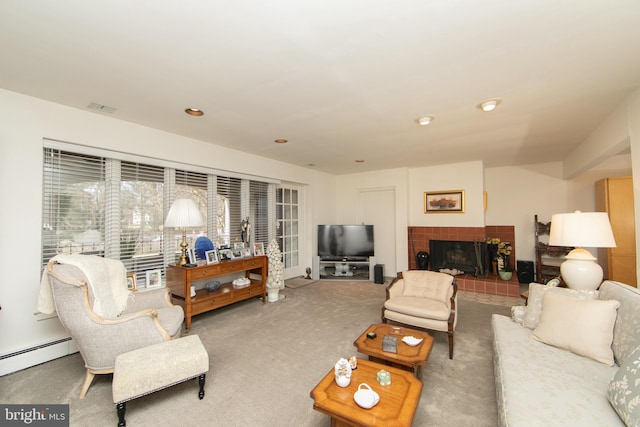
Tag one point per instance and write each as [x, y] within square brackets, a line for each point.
[280, 141]
[194, 112]
[489, 104]
[359, 161]
[425, 120]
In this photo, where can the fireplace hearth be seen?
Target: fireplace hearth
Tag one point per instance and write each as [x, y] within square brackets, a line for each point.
[469, 257]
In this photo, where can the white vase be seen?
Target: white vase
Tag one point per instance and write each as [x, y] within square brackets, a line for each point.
[343, 380]
[273, 294]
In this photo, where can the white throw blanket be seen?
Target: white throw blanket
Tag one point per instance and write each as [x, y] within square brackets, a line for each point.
[106, 277]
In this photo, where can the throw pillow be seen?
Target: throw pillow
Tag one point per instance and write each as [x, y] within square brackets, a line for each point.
[584, 327]
[624, 390]
[517, 313]
[534, 303]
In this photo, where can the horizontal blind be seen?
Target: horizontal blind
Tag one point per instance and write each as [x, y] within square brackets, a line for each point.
[259, 211]
[191, 185]
[141, 218]
[229, 210]
[73, 204]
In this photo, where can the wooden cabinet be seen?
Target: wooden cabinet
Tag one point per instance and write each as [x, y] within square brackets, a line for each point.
[180, 280]
[615, 196]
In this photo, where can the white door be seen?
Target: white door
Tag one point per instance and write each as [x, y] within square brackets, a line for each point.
[377, 207]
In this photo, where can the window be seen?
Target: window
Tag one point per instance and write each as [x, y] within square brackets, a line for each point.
[288, 224]
[115, 207]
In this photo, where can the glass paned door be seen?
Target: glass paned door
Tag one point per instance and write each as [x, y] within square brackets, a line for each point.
[288, 226]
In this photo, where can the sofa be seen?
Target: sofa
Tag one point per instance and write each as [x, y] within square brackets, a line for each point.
[569, 358]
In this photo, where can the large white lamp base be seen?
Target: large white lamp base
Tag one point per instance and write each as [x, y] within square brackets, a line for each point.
[580, 270]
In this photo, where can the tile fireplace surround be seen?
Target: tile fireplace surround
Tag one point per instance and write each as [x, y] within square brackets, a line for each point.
[419, 237]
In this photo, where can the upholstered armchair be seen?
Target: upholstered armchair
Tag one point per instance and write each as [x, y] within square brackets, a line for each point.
[423, 299]
[142, 319]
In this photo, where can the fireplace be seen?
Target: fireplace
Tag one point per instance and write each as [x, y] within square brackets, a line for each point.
[469, 257]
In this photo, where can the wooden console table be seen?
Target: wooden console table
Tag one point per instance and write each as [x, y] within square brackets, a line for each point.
[180, 279]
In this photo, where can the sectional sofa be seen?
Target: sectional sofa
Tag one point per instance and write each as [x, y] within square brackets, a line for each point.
[570, 358]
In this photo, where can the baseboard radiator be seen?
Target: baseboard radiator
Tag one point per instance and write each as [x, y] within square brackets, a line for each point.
[28, 357]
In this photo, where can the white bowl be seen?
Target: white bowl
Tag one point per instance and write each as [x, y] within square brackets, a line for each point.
[411, 340]
[365, 397]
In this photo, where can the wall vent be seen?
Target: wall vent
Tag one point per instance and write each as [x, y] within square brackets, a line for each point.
[101, 108]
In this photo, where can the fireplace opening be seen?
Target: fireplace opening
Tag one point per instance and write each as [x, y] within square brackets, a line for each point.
[469, 257]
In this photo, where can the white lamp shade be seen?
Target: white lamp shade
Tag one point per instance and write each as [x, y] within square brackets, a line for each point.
[184, 213]
[581, 229]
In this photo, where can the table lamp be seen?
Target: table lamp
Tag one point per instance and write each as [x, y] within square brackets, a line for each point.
[184, 213]
[581, 229]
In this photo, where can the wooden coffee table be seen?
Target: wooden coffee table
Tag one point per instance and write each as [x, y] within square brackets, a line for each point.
[398, 401]
[407, 357]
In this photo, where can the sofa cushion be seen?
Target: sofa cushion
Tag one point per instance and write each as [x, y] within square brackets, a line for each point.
[626, 333]
[534, 303]
[584, 327]
[624, 390]
[541, 385]
[419, 307]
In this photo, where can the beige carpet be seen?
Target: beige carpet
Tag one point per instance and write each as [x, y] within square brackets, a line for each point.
[266, 358]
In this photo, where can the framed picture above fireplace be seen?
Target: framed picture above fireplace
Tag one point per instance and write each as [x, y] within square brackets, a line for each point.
[444, 201]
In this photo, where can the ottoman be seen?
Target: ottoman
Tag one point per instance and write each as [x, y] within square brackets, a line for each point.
[171, 362]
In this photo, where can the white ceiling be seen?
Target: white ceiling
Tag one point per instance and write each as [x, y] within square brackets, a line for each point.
[339, 79]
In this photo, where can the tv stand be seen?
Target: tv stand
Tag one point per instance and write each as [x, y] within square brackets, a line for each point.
[333, 268]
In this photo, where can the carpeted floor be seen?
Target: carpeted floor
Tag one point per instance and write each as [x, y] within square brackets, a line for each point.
[297, 282]
[266, 358]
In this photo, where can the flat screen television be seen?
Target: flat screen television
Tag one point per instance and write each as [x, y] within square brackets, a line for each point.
[345, 241]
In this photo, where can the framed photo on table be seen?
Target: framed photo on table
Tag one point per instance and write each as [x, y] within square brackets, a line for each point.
[131, 282]
[258, 249]
[246, 252]
[212, 256]
[444, 201]
[154, 279]
[191, 256]
[224, 254]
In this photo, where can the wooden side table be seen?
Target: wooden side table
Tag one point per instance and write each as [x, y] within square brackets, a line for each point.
[398, 401]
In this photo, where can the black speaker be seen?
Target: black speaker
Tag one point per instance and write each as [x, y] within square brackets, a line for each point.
[378, 274]
[525, 271]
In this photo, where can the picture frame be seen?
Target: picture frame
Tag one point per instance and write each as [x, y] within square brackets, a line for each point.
[212, 256]
[191, 256]
[444, 201]
[132, 284]
[236, 253]
[246, 252]
[258, 249]
[154, 279]
[238, 245]
[224, 254]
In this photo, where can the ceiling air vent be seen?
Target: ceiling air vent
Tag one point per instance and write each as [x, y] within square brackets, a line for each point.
[101, 108]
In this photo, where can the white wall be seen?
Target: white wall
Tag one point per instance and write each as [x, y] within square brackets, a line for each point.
[25, 122]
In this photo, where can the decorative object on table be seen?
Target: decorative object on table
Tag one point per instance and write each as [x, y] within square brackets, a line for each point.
[390, 344]
[154, 279]
[505, 275]
[444, 202]
[245, 230]
[132, 284]
[371, 335]
[342, 372]
[246, 252]
[211, 256]
[202, 245]
[275, 280]
[184, 213]
[212, 286]
[365, 397]
[411, 340]
[258, 249]
[581, 229]
[383, 377]
[241, 282]
[353, 361]
[308, 271]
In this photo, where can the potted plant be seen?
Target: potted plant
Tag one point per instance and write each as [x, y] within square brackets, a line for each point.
[504, 252]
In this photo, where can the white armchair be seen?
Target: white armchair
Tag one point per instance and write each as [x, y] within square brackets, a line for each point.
[423, 299]
[148, 317]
